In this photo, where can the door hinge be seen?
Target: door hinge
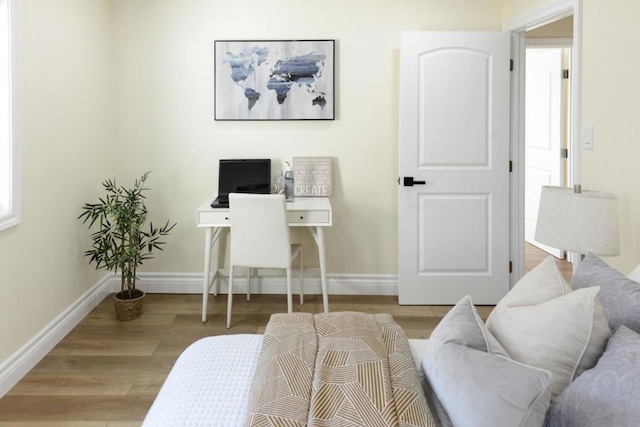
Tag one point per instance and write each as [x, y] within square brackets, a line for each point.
[565, 74]
[511, 65]
[510, 166]
[564, 153]
[510, 267]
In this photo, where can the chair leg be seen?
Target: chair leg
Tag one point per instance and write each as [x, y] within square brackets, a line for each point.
[248, 284]
[301, 278]
[230, 297]
[289, 297]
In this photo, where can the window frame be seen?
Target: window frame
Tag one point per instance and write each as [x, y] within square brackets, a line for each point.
[10, 120]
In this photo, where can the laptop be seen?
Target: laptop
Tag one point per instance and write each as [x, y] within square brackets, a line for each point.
[242, 176]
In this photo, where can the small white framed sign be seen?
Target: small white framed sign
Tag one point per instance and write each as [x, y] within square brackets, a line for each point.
[313, 176]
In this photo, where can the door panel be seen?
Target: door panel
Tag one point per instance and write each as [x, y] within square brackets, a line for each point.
[454, 128]
[445, 215]
[453, 83]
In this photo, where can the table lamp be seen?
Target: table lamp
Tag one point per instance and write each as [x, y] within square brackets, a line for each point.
[578, 221]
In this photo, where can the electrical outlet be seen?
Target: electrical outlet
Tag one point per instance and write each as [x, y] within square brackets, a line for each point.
[587, 137]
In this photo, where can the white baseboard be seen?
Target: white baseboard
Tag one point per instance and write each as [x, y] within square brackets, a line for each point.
[20, 363]
[269, 283]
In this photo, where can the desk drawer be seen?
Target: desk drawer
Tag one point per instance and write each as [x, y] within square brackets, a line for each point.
[218, 218]
[308, 217]
[222, 218]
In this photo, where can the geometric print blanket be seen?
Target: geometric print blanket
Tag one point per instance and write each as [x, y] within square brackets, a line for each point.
[336, 369]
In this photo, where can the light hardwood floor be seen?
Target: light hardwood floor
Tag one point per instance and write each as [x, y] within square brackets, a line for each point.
[106, 373]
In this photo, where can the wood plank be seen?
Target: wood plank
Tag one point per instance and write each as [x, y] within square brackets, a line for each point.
[60, 424]
[34, 384]
[104, 365]
[147, 385]
[174, 345]
[110, 347]
[149, 319]
[74, 408]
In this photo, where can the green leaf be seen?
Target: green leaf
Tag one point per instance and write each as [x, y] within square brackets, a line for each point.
[120, 243]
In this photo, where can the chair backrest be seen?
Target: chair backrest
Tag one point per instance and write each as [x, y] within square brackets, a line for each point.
[259, 231]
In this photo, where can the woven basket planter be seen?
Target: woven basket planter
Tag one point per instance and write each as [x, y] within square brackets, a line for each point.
[129, 309]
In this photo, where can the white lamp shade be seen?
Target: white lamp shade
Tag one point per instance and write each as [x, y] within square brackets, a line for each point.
[578, 222]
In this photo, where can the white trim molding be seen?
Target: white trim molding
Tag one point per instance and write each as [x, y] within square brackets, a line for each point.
[542, 43]
[517, 255]
[20, 363]
[266, 282]
[550, 12]
[11, 121]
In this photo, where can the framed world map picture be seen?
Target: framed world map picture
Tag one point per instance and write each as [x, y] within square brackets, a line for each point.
[274, 80]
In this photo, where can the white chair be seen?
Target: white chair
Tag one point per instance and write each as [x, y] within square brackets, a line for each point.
[260, 239]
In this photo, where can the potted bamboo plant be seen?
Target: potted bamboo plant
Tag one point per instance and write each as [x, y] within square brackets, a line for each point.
[121, 241]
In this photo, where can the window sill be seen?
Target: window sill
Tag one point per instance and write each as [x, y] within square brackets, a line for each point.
[8, 220]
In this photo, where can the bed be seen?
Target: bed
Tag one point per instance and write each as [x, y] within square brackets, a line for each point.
[469, 378]
[211, 382]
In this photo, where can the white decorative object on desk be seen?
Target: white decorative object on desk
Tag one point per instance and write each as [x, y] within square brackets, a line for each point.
[313, 176]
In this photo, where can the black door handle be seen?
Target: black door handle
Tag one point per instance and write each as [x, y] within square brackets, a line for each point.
[409, 182]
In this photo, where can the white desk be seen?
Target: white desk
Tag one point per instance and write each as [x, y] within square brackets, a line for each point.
[311, 212]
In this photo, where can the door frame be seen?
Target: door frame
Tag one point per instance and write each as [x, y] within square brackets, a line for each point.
[517, 27]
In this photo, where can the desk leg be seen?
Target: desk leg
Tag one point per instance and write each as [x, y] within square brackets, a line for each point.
[207, 271]
[215, 240]
[323, 267]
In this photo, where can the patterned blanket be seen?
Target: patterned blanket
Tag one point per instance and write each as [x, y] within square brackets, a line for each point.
[336, 369]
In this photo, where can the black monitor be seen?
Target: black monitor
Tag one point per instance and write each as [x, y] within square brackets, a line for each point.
[243, 176]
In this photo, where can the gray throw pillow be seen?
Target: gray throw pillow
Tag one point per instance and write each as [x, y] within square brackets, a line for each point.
[606, 395]
[474, 380]
[542, 322]
[463, 325]
[620, 296]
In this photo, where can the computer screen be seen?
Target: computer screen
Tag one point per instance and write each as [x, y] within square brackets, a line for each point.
[244, 176]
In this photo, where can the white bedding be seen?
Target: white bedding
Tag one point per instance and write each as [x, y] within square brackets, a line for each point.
[210, 382]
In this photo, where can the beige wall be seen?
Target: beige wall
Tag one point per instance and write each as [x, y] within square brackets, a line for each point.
[558, 29]
[66, 62]
[610, 93]
[165, 111]
[512, 9]
[118, 87]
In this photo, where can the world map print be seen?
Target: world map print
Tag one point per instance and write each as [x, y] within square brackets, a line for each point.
[274, 80]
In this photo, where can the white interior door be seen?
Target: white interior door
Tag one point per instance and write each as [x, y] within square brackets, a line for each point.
[543, 133]
[454, 136]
